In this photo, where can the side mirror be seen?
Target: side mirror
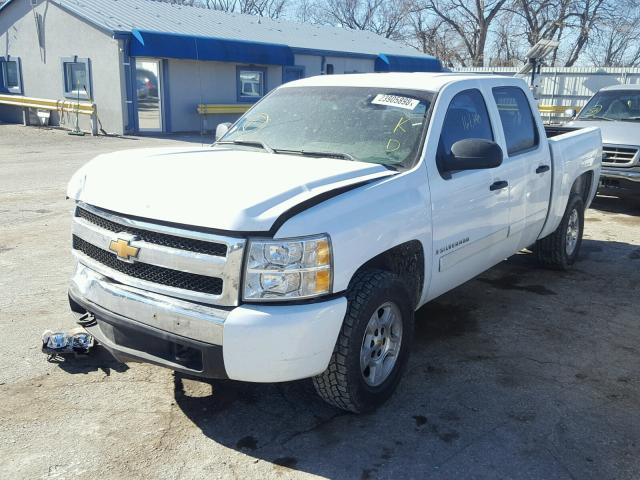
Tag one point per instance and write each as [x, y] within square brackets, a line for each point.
[222, 129]
[473, 154]
[570, 112]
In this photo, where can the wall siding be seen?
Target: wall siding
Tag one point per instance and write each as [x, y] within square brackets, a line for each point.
[192, 82]
[64, 36]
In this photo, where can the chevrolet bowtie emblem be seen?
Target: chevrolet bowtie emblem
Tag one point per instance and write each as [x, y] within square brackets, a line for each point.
[123, 249]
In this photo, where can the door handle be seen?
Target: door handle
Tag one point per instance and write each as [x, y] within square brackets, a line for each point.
[542, 169]
[499, 185]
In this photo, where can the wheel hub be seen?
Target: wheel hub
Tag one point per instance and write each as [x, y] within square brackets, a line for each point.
[573, 231]
[381, 344]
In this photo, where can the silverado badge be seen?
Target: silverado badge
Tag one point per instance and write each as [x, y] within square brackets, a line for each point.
[124, 250]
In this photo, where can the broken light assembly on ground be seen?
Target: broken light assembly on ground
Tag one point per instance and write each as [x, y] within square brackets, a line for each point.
[75, 341]
[288, 269]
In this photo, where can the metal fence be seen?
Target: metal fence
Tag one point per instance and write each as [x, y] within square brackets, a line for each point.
[568, 87]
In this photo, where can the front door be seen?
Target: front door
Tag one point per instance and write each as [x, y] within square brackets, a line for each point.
[470, 209]
[149, 95]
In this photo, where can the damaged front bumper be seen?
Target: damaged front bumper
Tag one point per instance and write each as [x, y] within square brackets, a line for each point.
[256, 343]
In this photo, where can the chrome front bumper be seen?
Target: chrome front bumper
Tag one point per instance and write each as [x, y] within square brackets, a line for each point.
[178, 317]
[262, 343]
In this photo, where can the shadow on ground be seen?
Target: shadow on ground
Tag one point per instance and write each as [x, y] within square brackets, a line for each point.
[624, 205]
[98, 360]
[497, 383]
[289, 426]
[509, 377]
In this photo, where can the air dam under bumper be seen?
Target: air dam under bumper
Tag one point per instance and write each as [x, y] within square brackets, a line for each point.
[254, 343]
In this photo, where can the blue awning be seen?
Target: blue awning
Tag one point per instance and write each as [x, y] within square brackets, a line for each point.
[171, 45]
[401, 63]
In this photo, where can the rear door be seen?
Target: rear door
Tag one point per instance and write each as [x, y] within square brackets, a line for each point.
[528, 161]
[469, 218]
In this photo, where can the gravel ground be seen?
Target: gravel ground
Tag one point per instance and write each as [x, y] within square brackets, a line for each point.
[521, 373]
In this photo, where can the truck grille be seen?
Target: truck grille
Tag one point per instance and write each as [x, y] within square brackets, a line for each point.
[615, 155]
[189, 244]
[182, 262]
[150, 273]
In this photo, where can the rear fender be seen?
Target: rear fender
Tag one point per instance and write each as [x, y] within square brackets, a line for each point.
[573, 155]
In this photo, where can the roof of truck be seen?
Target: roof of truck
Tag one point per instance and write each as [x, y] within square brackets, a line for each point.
[432, 82]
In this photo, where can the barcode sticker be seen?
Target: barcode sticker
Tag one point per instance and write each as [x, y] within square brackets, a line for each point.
[396, 101]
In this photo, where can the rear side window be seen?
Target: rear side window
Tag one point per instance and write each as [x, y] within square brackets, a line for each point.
[466, 117]
[520, 130]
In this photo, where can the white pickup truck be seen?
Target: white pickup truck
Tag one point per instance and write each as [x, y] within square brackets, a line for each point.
[301, 242]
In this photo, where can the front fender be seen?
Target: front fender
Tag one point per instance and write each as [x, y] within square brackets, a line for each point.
[370, 220]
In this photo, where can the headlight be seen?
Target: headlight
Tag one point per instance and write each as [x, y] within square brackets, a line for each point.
[288, 269]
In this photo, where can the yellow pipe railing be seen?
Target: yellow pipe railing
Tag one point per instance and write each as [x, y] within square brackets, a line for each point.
[211, 109]
[68, 106]
[85, 108]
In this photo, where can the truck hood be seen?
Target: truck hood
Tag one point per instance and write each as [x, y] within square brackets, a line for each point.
[617, 133]
[224, 189]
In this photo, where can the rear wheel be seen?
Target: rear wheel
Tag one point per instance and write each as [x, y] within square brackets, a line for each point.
[373, 345]
[560, 249]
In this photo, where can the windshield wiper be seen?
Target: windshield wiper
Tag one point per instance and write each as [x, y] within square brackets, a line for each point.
[310, 153]
[248, 143]
[629, 119]
[594, 117]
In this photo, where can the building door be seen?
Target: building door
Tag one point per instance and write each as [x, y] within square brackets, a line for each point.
[149, 95]
[289, 74]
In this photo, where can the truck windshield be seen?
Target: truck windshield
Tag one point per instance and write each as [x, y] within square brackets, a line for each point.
[375, 125]
[620, 105]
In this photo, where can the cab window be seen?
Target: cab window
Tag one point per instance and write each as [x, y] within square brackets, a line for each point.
[520, 130]
[466, 117]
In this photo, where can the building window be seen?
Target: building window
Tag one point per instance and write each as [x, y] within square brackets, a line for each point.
[11, 76]
[251, 83]
[77, 78]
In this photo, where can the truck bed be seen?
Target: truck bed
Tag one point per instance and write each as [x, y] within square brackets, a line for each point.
[555, 130]
[574, 151]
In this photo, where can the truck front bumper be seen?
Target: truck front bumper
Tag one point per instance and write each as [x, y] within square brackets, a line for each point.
[617, 180]
[254, 343]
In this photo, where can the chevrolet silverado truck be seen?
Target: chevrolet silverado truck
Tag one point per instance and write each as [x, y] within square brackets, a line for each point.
[616, 111]
[302, 241]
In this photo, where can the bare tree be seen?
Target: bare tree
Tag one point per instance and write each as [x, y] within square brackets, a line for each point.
[582, 17]
[307, 11]
[430, 34]
[505, 49]
[384, 17]
[542, 19]
[470, 20]
[263, 8]
[615, 41]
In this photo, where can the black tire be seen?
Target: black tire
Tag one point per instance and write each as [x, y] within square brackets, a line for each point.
[342, 384]
[551, 251]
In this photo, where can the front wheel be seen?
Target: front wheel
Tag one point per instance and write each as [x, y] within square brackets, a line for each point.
[560, 249]
[373, 345]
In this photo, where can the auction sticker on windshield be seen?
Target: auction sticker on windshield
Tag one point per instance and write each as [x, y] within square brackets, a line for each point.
[395, 101]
